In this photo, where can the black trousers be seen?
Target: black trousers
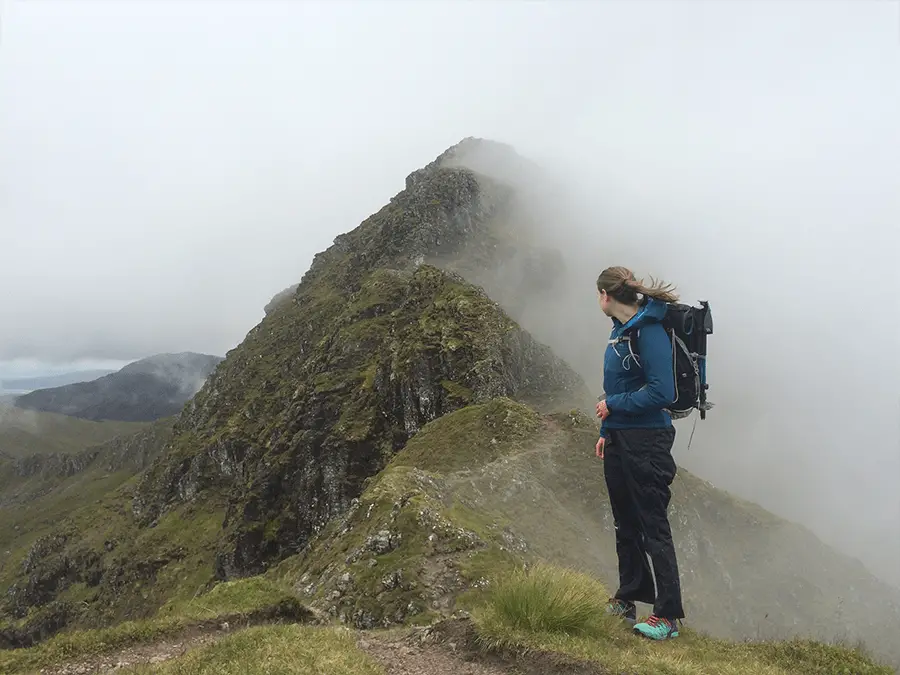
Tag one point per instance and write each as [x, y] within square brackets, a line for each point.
[639, 468]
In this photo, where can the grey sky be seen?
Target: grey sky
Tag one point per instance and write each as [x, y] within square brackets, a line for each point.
[166, 167]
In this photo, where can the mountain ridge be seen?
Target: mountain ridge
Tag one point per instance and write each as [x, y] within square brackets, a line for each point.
[313, 445]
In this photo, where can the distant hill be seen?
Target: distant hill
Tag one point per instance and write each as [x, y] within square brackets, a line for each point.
[143, 391]
[26, 433]
[47, 381]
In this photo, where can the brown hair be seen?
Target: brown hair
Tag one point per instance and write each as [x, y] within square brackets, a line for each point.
[620, 284]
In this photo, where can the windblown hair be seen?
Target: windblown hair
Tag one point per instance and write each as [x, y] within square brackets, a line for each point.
[620, 284]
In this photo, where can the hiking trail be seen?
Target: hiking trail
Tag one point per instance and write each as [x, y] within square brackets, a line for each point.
[401, 653]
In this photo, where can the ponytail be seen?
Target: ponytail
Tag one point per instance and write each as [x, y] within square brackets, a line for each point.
[656, 290]
[620, 284]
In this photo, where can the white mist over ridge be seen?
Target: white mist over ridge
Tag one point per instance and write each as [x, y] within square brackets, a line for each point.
[807, 416]
[747, 152]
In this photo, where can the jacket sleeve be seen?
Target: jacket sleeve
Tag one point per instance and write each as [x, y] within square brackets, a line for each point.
[604, 432]
[655, 354]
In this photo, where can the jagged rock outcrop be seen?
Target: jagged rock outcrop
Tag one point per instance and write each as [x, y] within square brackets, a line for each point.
[55, 465]
[40, 579]
[345, 381]
[143, 391]
[132, 452]
[343, 370]
[371, 345]
[495, 485]
[135, 452]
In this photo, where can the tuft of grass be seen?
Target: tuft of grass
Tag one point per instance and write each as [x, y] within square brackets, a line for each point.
[559, 612]
[272, 650]
[549, 599]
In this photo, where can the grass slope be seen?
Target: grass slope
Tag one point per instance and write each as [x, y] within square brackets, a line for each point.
[238, 602]
[538, 614]
[431, 535]
[558, 611]
[482, 489]
[272, 650]
[65, 522]
[97, 568]
[29, 432]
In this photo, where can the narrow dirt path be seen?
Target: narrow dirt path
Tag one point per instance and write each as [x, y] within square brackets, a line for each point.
[446, 651]
[400, 657]
[157, 652]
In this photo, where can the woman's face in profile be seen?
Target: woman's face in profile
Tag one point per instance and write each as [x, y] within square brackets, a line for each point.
[604, 300]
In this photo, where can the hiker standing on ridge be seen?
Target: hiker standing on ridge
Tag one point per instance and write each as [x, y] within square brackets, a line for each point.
[636, 439]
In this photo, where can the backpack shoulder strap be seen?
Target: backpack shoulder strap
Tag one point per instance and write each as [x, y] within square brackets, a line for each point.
[633, 334]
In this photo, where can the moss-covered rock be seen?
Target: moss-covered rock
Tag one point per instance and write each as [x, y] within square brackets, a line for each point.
[492, 486]
[63, 528]
[132, 450]
[344, 369]
[400, 553]
[324, 392]
[97, 567]
[473, 436]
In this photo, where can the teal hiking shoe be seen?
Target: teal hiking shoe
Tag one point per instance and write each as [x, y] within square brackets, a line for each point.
[657, 628]
[626, 610]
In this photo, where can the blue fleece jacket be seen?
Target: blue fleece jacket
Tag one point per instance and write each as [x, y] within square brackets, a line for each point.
[638, 388]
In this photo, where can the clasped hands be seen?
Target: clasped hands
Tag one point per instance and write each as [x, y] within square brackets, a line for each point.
[602, 413]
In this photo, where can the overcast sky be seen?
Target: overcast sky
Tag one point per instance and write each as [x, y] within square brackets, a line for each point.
[169, 166]
[166, 167]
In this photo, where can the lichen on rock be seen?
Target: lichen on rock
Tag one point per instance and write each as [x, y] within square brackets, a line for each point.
[397, 555]
[326, 389]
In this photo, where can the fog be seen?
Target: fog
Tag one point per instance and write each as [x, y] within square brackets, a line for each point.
[165, 168]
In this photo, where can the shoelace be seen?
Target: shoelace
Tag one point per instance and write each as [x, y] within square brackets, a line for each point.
[655, 621]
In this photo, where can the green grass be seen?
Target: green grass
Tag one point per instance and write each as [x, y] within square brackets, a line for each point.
[546, 609]
[27, 516]
[472, 437]
[180, 549]
[28, 432]
[246, 599]
[243, 597]
[82, 644]
[549, 599]
[272, 650]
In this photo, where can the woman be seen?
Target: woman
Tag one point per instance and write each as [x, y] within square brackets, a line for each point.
[636, 438]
